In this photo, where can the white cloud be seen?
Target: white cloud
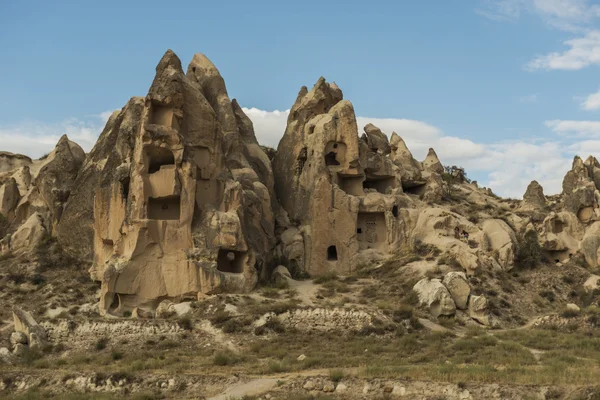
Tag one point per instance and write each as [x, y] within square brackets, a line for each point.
[592, 102]
[567, 15]
[501, 10]
[583, 52]
[35, 138]
[532, 98]
[571, 128]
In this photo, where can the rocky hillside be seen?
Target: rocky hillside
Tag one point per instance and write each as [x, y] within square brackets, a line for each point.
[179, 234]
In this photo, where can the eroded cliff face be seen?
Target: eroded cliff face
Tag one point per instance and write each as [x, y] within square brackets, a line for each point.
[343, 193]
[188, 210]
[177, 199]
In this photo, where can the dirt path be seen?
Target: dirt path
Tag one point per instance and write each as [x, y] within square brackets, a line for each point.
[306, 291]
[251, 388]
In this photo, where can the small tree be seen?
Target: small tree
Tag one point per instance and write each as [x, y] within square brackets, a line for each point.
[529, 254]
[453, 176]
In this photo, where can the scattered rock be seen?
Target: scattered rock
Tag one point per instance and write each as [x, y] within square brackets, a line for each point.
[457, 285]
[433, 294]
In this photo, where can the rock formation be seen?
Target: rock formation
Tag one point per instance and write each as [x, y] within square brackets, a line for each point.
[534, 196]
[177, 199]
[183, 207]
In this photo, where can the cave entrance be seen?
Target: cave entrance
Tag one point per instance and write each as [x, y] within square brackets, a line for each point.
[332, 253]
[231, 261]
[351, 184]
[557, 226]
[164, 208]
[335, 153]
[161, 115]
[371, 230]
[382, 184]
[395, 211]
[156, 157]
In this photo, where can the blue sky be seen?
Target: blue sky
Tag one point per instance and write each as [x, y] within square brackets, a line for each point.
[505, 88]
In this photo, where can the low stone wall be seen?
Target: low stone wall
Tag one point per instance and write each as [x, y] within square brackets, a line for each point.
[89, 331]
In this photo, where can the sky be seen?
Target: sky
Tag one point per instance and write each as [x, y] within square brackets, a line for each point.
[507, 89]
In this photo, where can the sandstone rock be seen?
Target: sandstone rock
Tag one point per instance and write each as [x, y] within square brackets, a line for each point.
[478, 309]
[321, 161]
[140, 313]
[24, 323]
[579, 191]
[29, 235]
[377, 140]
[6, 356]
[433, 294]
[10, 162]
[19, 350]
[309, 385]
[410, 169]
[590, 245]
[181, 193]
[182, 309]
[592, 283]
[432, 162]
[457, 285]
[164, 309]
[9, 198]
[281, 275]
[56, 176]
[573, 307]
[341, 388]
[502, 240]
[534, 196]
[301, 357]
[18, 337]
[328, 387]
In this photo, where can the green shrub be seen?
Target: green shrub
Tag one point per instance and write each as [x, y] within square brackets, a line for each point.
[529, 254]
[185, 323]
[101, 343]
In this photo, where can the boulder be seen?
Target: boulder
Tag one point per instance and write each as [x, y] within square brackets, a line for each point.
[457, 285]
[24, 323]
[281, 275]
[6, 356]
[377, 140]
[502, 240]
[182, 309]
[573, 307]
[435, 296]
[164, 309]
[18, 337]
[477, 309]
[592, 283]
[29, 235]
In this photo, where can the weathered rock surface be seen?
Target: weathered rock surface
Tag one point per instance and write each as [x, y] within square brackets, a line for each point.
[24, 323]
[457, 285]
[534, 196]
[434, 295]
[502, 239]
[181, 195]
[478, 309]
